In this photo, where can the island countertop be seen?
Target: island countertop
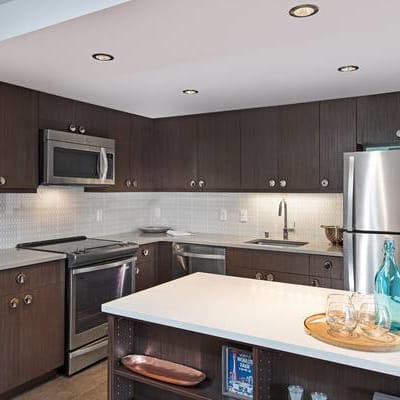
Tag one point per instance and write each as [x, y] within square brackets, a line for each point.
[261, 313]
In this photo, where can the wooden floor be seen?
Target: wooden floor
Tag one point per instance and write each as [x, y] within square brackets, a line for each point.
[90, 384]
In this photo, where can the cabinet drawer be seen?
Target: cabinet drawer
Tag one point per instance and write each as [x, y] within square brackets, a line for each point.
[326, 267]
[329, 283]
[267, 260]
[268, 275]
[18, 280]
[146, 253]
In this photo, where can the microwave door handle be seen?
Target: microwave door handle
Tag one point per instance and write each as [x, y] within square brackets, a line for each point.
[103, 164]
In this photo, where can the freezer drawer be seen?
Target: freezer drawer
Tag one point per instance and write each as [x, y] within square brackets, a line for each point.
[372, 191]
[363, 254]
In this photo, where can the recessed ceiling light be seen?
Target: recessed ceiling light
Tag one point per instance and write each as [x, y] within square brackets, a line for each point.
[303, 10]
[103, 57]
[190, 91]
[348, 68]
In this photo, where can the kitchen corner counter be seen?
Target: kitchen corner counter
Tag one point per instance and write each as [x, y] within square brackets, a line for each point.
[258, 313]
[15, 258]
[324, 249]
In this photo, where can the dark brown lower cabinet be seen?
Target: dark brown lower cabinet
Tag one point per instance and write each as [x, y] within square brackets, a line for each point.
[301, 269]
[32, 326]
[273, 370]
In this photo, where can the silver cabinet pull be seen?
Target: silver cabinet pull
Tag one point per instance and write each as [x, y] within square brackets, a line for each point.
[82, 129]
[3, 180]
[270, 277]
[272, 183]
[72, 128]
[14, 302]
[20, 279]
[282, 183]
[202, 183]
[137, 270]
[398, 133]
[192, 184]
[315, 283]
[145, 252]
[259, 276]
[135, 183]
[28, 299]
[324, 183]
[128, 183]
[328, 265]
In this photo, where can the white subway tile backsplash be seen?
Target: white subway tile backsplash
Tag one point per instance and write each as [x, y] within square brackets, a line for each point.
[66, 211]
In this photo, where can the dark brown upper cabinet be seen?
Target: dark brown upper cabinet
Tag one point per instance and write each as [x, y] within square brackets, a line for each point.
[259, 154]
[176, 153]
[19, 139]
[142, 153]
[219, 151]
[298, 147]
[68, 115]
[337, 136]
[378, 119]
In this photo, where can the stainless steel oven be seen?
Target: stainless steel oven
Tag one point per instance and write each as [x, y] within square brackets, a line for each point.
[76, 159]
[88, 288]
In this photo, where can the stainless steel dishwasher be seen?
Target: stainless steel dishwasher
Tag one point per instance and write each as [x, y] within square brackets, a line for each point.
[191, 258]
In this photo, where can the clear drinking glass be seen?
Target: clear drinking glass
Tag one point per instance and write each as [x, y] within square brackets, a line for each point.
[374, 319]
[295, 392]
[319, 396]
[337, 298]
[341, 318]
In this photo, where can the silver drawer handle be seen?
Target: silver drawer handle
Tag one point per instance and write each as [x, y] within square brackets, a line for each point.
[14, 303]
[3, 181]
[20, 279]
[28, 299]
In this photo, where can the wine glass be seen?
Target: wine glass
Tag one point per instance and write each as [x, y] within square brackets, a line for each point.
[341, 318]
[374, 319]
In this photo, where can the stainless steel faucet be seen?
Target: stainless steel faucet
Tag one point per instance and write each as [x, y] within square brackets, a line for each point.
[285, 227]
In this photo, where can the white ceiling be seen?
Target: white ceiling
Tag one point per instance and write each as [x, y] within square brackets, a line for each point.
[22, 16]
[237, 53]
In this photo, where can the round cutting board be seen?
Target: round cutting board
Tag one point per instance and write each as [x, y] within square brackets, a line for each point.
[316, 326]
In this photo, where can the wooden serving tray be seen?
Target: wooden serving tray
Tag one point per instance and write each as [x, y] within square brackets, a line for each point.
[162, 370]
[316, 326]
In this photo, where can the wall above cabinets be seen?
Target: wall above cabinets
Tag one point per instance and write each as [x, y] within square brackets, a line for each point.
[293, 148]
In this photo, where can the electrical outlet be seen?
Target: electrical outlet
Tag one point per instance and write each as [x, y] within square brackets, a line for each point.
[244, 216]
[223, 214]
[99, 215]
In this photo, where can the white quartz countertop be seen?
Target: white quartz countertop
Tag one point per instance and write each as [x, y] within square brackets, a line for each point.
[324, 248]
[15, 258]
[262, 313]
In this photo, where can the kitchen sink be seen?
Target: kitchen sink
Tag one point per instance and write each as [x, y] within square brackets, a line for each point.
[277, 243]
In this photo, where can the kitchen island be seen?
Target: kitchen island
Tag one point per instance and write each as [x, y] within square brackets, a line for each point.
[189, 320]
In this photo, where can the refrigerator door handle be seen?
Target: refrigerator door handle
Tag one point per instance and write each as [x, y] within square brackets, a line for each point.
[349, 277]
[349, 224]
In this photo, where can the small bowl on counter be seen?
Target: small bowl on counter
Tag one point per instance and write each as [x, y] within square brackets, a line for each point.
[334, 234]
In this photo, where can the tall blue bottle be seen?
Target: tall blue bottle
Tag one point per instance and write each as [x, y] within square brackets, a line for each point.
[387, 284]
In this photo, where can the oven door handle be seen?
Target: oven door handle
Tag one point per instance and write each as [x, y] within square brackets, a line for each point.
[117, 264]
[201, 256]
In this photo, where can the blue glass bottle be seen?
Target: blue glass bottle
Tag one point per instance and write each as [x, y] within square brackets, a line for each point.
[387, 284]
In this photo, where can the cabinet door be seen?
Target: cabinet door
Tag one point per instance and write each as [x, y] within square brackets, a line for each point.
[337, 135]
[41, 337]
[118, 124]
[259, 161]
[92, 118]
[219, 151]
[10, 327]
[176, 153]
[378, 119]
[19, 138]
[56, 112]
[146, 276]
[298, 147]
[142, 153]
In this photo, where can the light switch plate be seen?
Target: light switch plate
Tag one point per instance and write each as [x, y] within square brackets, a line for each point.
[244, 216]
[223, 214]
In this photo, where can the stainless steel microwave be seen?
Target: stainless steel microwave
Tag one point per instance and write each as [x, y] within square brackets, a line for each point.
[76, 159]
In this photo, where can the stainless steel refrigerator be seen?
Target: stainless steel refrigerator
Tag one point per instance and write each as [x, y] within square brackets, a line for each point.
[371, 213]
